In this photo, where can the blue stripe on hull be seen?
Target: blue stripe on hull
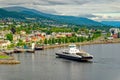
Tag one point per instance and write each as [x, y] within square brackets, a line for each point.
[69, 57]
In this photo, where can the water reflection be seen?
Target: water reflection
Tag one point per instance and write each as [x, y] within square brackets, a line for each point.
[33, 57]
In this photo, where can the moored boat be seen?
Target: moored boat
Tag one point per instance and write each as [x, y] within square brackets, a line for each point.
[73, 53]
[30, 49]
[39, 47]
[18, 50]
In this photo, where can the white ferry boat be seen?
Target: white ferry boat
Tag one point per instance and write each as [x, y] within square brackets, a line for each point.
[73, 53]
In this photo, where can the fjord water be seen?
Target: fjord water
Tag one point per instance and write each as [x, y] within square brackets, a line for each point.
[43, 65]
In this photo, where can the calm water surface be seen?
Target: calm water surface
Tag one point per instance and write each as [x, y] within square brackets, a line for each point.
[43, 65]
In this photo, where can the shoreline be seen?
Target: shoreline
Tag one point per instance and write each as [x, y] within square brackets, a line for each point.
[9, 60]
[85, 43]
[96, 41]
[12, 60]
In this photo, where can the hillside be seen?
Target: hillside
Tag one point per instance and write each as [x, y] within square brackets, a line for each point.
[26, 16]
[25, 12]
[112, 23]
[4, 14]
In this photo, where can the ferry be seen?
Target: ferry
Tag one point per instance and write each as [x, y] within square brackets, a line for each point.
[72, 53]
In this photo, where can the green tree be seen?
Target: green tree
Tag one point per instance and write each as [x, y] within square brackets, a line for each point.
[108, 34]
[96, 34]
[45, 41]
[20, 43]
[9, 37]
[53, 40]
[59, 40]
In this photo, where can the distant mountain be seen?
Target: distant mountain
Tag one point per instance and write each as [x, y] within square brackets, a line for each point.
[4, 14]
[15, 8]
[62, 19]
[112, 23]
[24, 15]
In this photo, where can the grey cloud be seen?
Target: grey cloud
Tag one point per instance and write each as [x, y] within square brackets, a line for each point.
[15, 3]
[107, 17]
[87, 15]
[50, 11]
[81, 2]
[64, 2]
[73, 2]
[37, 3]
[56, 3]
[49, 3]
[68, 2]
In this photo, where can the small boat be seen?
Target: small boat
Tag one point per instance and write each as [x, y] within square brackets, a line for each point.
[30, 49]
[72, 53]
[39, 47]
[18, 50]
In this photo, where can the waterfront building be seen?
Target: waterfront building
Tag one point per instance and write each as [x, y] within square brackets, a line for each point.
[114, 30]
[4, 43]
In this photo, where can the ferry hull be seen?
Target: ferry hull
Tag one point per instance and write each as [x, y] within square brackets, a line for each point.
[86, 58]
[74, 57]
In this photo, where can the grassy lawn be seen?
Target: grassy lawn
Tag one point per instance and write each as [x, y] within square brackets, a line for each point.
[4, 57]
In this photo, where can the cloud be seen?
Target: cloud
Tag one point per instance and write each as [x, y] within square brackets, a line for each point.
[87, 15]
[56, 3]
[107, 17]
[45, 2]
[84, 8]
[66, 2]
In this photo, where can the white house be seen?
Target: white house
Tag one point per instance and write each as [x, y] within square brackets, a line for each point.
[114, 30]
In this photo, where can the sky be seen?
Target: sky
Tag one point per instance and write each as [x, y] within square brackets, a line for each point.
[99, 10]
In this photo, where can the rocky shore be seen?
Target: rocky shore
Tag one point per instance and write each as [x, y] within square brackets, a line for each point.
[5, 59]
[9, 62]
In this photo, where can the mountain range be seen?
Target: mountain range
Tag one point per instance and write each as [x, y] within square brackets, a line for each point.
[25, 13]
[112, 23]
